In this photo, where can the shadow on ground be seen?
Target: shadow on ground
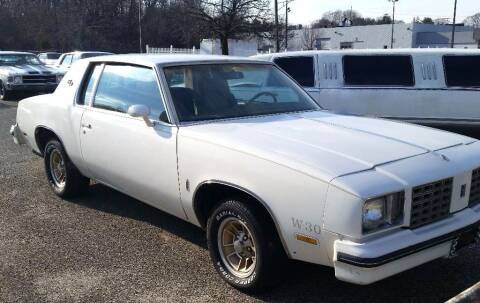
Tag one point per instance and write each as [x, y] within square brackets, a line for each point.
[305, 282]
[107, 200]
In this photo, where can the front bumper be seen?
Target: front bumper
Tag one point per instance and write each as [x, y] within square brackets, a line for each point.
[18, 136]
[366, 263]
[49, 87]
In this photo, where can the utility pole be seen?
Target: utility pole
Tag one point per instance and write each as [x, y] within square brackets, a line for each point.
[393, 21]
[277, 38]
[287, 10]
[140, 24]
[454, 24]
[351, 15]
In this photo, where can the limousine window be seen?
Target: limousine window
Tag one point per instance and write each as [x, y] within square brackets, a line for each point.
[389, 70]
[302, 69]
[462, 71]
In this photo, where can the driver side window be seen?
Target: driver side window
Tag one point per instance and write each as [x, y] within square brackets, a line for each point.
[121, 86]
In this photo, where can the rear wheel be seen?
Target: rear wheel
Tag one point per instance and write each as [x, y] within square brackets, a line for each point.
[64, 178]
[244, 249]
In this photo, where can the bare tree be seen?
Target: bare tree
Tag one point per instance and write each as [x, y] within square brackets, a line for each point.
[473, 20]
[427, 20]
[110, 25]
[309, 38]
[346, 17]
[227, 19]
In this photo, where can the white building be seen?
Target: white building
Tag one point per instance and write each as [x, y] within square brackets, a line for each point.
[379, 36]
[241, 48]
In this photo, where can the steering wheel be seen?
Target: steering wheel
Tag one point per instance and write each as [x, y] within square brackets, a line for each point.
[254, 98]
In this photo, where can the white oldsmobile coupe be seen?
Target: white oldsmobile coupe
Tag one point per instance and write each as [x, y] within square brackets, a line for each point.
[235, 146]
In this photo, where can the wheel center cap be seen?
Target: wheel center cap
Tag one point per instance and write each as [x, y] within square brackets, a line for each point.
[238, 246]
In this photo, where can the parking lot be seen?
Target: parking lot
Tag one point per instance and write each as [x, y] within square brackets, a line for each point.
[109, 247]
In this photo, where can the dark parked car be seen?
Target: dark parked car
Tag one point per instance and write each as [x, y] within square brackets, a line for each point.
[24, 72]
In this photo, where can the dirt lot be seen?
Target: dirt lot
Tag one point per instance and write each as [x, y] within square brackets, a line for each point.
[109, 247]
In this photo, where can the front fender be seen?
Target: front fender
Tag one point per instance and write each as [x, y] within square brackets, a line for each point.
[294, 200]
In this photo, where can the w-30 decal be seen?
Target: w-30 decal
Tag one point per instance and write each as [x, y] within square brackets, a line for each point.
[306, 226]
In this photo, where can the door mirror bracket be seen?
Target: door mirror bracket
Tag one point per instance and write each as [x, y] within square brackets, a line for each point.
[140, 110]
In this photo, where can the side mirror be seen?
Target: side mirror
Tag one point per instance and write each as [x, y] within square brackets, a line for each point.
[140, 110]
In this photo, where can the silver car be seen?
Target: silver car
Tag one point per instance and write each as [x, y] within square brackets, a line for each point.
[24, 72]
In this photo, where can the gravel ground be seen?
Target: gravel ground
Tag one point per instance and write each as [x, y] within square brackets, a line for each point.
[109, 247]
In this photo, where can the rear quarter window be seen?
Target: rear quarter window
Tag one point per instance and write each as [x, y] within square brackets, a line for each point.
[391, 70]
[302, 69]
[462, 71]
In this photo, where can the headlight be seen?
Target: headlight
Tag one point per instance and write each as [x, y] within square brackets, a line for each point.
[10, 79]
[59, 78]
[17, 80]
[383, 212]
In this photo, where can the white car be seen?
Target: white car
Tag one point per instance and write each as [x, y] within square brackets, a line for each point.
[235, 146]
[49, 58]
[66, 60]
[433, 87]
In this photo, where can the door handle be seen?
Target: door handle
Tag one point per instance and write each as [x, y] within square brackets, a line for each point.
[89, 126]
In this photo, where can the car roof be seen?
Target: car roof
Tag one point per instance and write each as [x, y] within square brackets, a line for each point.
[172, 59]
[15, 53]
[87, 52]
[399, 51]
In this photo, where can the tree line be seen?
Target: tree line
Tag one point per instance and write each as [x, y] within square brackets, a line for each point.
[108, 25]
[113, 25]
[354, 18]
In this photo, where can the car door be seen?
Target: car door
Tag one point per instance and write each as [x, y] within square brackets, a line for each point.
[123, 151]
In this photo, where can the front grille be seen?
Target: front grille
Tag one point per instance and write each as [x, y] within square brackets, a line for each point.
[475, 188]
[39, 79]
[431, 202]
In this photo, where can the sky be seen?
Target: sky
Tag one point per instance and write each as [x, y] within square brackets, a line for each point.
[306, 11]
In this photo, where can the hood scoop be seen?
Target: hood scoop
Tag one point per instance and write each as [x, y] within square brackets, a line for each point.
[33, 73]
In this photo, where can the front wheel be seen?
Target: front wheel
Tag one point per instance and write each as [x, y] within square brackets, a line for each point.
[64, 178]
[4, 94]
[244, 249]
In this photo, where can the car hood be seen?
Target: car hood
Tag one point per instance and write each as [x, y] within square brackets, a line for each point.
[27, 69]
[322, 144]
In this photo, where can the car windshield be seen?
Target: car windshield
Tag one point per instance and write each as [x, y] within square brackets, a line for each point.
[220, 91]
[19, 59]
